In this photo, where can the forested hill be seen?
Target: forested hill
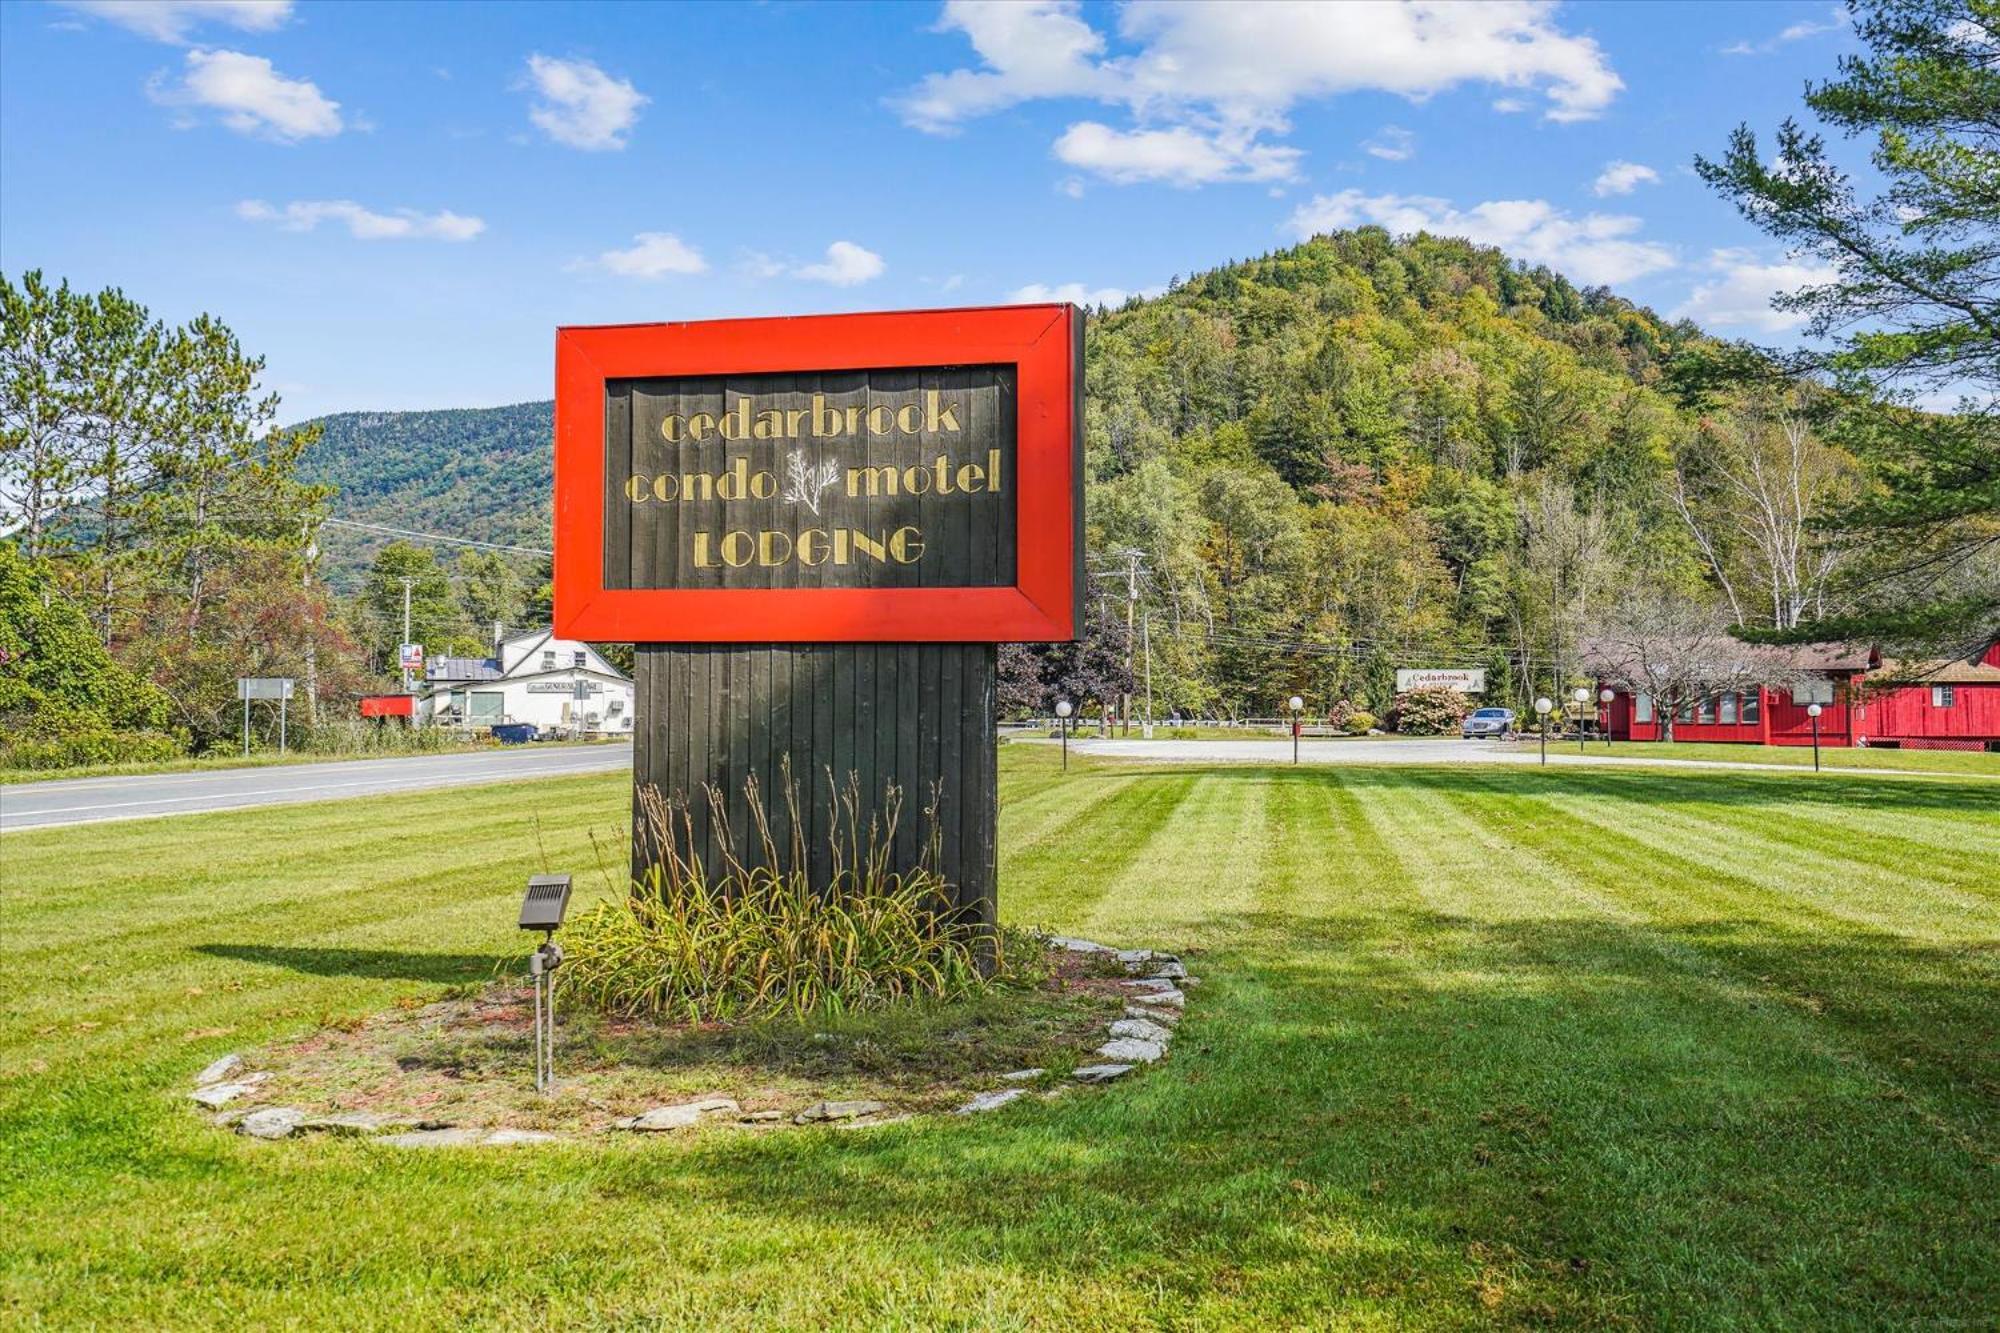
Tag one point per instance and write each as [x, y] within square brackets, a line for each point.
[1391, 452]
[482, 472]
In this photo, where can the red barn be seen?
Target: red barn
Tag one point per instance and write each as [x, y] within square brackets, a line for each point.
[1953, 705]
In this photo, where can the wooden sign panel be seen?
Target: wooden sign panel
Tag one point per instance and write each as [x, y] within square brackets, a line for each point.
[889, 478]
[862, 479]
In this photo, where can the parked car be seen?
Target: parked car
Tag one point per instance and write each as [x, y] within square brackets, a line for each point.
[1496, 723]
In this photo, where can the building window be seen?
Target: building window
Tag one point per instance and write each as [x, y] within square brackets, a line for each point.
[581, 657]
[1753, 707]
[1728, 715]
[1685, 713]
[1706, 713]
[488, 707]
[1942, 696]
[1642, 708]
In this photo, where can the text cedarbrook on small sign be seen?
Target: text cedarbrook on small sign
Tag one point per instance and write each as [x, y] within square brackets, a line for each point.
[1469, 681]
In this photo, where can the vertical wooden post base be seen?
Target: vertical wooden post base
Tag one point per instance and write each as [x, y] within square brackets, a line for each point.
[919, 715]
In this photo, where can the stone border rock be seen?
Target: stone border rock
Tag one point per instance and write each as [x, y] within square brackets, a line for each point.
[1140, 1036]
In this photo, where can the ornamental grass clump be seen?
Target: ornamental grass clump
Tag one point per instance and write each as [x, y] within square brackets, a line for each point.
[696, 943]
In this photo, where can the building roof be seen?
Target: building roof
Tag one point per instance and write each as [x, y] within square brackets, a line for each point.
[461, 668]
[1951, 671]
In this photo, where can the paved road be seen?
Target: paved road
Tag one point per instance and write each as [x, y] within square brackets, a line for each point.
[1441, 750]
[87, 800]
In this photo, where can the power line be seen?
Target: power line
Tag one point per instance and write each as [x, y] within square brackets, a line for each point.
[434, 536]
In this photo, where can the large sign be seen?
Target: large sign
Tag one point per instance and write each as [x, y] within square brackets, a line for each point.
[1468, 681]
[905, 478]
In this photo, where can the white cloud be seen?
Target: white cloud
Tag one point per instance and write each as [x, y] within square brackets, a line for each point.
[172, 20]
[1392, 143]
[1207, 81]
[846, 265]
[1595, 248]
[1076, 293]
[580, 105]
[405, 224]
[1739, 293]
[652, 254]
[251, 97]
[1178, 156]
[1509, 106]
[1622, 178]
[1072, 186]
[1836, 19]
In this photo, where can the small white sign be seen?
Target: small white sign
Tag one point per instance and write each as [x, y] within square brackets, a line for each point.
[263, 687]
[566, 687]
[1467, 681]
[1813, 690]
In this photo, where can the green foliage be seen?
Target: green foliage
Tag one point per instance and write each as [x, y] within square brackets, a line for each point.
[1914, 303]
[77, 747]
[1430, 712]
[1361, 720]
[697, 943]
[56, 678]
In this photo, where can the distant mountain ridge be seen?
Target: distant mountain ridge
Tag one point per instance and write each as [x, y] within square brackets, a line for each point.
[1350, 354]
[484, 473]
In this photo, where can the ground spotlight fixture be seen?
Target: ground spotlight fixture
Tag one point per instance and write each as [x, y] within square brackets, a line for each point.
[1542, 707]
[1063, 709]
[543, 909]
[1298, 706]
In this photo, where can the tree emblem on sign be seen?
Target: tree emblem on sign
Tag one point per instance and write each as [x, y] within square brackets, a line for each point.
[805, 482]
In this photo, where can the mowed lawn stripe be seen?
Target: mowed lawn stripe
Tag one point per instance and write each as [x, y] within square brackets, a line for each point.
[1777, 1108]
[1948, 867]
[1149, 901]
[1919, 1018]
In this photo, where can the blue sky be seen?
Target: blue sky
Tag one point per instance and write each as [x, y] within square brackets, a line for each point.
[397, 203]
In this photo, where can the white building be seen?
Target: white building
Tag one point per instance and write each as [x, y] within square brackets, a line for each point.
[556, 684]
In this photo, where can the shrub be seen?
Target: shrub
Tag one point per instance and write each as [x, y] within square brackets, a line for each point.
[702, 943]
[1433, 712]
[360, 736]
[1341, 716]
[1360, 721]
[80, 748]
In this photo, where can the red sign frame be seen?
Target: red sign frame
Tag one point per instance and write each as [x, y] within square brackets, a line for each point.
[1042, 342]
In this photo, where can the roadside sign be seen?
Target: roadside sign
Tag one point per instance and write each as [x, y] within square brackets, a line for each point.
[263, 687]
[1813, 690]
[1469, 681]
[410, 657]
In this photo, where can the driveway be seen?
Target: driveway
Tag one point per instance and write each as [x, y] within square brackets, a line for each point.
[1411, 750]
[29, 805]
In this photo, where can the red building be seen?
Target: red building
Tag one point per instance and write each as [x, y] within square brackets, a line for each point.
[1951, 705]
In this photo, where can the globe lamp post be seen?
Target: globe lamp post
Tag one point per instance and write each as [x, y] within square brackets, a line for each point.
[1542, 708]
[1063, 709]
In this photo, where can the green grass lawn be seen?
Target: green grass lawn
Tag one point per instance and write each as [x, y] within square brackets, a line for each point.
[1474, 1047]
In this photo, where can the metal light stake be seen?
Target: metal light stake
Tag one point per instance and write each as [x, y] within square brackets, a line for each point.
[1063, 710]
[1582, 697]
[1298, 706]
[543, 909]
[1812, 711]
[1542, 707]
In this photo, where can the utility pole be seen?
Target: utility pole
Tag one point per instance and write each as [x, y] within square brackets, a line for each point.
[1133, 556]
[1146, 637]
[312, 632]
[407, 581]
